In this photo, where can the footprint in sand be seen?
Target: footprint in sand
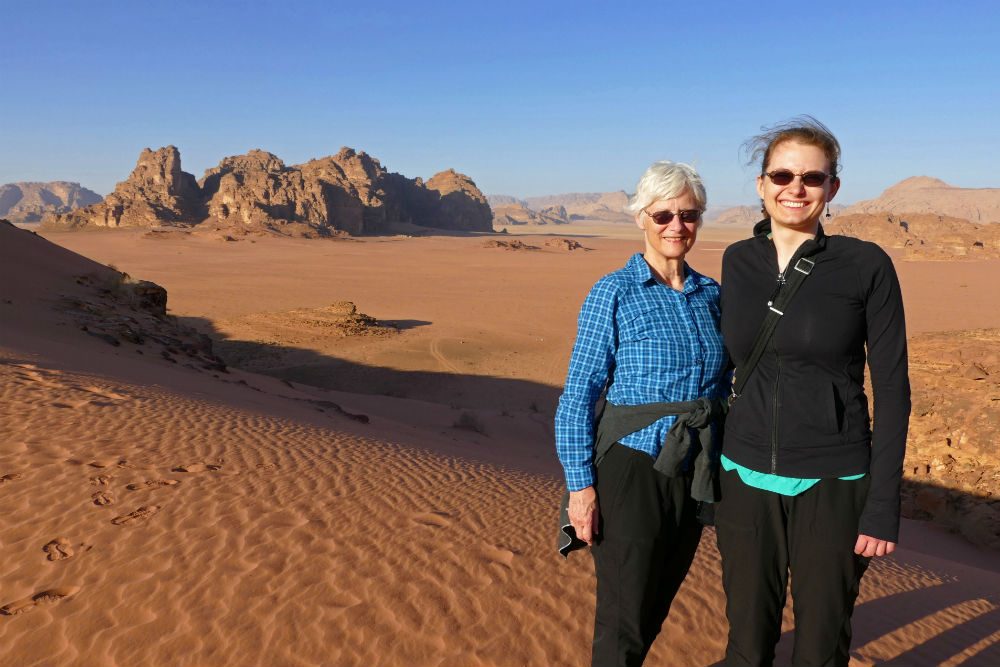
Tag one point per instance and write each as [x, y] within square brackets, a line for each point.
[152, 484]
[433, 519]
[101, 480]
[103, 498]
[107, 463]
[34, 374]
[197, 467]
[61, 549]
[45, 597]
[11, 477]
[138, 516]
[499, 555]
[107, 394]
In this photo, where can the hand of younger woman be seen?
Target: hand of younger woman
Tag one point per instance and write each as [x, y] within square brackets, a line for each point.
[583, 513]
[871, 546]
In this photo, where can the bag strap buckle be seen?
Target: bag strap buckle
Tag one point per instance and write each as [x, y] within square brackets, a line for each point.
[804, 265]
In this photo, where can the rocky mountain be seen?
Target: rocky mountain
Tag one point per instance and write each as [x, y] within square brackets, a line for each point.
[505, 200]
[349, 192]
[922, 194]
[518, 214]
[29, 202]
[606, 206]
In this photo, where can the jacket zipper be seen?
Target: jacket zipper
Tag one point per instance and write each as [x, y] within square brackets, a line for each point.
[777, 382]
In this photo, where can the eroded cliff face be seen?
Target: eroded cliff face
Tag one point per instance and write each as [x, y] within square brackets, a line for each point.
[350, 192]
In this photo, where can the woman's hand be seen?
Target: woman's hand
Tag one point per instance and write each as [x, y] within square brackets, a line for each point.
[584, 514]
[871, 546]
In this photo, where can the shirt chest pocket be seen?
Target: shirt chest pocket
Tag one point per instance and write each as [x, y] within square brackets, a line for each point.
[706, 311]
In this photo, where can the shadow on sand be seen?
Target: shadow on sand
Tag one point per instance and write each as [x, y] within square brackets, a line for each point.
[307, 367]
[938, 603]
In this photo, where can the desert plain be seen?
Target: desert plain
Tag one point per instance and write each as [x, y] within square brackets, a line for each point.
[360, 470]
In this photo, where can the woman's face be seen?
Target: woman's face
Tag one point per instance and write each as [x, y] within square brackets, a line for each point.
[796, 205]
[673, 239]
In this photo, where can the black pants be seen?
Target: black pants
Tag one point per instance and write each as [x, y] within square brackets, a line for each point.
[648, 536]
[761, 536]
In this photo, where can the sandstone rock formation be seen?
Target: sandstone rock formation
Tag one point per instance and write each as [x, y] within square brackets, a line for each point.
[29, 202]
[922, 235]
[460, 205]
[509, 245]
[349, 192]
[156, 193]
[518, 214]
[257, 191]
[605, 206]
[513, 214]
[922, 194]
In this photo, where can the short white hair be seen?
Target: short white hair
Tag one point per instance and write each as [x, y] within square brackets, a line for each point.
[666, 180]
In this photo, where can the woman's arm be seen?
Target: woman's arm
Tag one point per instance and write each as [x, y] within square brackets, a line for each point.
[887, 364]
[590, 366]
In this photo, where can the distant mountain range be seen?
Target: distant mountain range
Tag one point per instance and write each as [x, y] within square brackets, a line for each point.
[29, 202]
[923, 194]
[603, 206]
[351, 192]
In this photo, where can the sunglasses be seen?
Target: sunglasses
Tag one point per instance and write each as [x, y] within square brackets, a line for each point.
[810, 179]
[687, 216]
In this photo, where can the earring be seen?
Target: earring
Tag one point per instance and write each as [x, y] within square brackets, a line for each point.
[762, 209]
[828, 210]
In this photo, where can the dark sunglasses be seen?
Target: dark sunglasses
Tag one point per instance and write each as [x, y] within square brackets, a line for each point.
[810, 179]
[687, 216]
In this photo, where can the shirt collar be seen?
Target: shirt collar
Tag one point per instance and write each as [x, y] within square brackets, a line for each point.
[639, 271]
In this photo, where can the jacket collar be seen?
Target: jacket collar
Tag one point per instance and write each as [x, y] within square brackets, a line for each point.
[762, 230]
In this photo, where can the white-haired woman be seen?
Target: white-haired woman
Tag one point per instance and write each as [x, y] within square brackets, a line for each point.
[648, 338]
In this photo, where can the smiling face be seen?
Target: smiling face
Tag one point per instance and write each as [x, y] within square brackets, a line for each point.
[673, 240]
[795, 205]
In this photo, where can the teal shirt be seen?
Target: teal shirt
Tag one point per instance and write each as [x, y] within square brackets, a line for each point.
[786, 486]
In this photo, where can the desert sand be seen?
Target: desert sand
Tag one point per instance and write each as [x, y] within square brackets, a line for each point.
[379, 490]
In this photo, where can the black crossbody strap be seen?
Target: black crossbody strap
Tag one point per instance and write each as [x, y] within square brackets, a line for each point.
[803, 267]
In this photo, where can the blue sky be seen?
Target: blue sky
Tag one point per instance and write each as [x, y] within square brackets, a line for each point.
[527, 98]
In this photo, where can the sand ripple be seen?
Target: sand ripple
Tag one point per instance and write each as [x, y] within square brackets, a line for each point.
[176, 531]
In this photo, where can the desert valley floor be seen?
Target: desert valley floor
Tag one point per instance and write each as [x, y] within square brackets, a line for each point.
[383, 490]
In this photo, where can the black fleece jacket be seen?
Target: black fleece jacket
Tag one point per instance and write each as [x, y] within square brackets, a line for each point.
[803, 412]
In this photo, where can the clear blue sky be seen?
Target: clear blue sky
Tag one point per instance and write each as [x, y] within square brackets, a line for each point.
[528, 99]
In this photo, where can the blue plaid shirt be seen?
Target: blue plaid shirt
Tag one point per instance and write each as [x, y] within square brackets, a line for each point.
[645, 343]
